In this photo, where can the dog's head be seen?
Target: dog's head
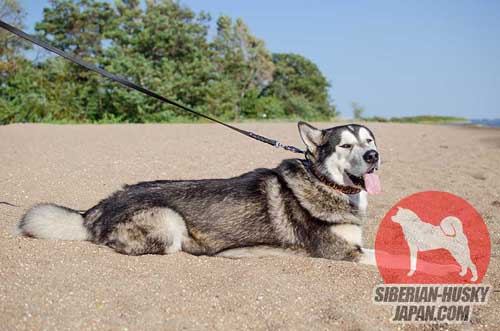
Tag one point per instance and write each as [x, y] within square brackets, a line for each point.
[346, 155]
[404, 215]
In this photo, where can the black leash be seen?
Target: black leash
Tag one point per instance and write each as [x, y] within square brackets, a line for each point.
[8, 204]
[139, 88]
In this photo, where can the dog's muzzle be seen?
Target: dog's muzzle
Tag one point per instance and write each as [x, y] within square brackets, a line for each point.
[371, 156]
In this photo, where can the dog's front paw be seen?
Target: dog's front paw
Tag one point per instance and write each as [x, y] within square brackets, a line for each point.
[410, 273]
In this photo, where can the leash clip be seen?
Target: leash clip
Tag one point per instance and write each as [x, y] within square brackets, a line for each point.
[277, 144]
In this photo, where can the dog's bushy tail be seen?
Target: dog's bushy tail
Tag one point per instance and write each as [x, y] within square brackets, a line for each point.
[452, 227]
[50, 221]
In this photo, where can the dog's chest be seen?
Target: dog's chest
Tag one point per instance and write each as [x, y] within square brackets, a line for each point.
[352, 233]
[359, 202]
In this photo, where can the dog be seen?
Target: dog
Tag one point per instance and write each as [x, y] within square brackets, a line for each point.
[422, 236]
[311, 207]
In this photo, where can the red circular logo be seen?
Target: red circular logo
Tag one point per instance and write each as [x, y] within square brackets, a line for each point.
[432, 238]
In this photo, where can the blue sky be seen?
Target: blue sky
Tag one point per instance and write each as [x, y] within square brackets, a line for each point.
[396, 58]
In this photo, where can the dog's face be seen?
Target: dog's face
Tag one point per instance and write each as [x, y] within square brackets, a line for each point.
[404, 216]
[344, 154]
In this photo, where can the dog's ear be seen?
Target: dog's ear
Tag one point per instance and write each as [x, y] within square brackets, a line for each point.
[311, 136]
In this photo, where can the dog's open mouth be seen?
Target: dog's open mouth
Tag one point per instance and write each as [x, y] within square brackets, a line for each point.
[357, 181]
[368, 182]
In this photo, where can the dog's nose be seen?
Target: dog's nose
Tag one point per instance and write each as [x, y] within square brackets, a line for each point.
[371, 156]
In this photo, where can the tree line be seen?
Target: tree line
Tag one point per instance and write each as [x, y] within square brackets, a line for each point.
[162, 45]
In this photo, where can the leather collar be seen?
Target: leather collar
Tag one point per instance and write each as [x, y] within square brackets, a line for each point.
[341, 188]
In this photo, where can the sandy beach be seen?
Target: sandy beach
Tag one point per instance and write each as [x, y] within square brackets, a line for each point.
[57, 285]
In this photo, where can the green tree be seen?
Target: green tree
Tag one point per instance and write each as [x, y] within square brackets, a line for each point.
[128, 24]
[357, 110]
[300, 83]
[164, 48]
[79, 27]
[10, 46]
[241, 58]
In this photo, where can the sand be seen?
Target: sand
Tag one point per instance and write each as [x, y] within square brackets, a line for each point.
[56, 285]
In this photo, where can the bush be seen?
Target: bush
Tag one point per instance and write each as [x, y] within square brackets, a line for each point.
[300, 107]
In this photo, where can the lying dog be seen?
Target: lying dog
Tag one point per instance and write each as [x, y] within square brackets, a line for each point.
[422, 236]
[309, 207]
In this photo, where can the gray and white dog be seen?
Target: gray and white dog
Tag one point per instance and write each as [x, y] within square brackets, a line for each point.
[311, 207]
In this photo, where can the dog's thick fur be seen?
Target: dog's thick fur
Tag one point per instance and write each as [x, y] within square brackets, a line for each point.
[286, 210]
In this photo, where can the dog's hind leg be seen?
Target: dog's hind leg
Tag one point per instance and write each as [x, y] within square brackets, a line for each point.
[152, 231]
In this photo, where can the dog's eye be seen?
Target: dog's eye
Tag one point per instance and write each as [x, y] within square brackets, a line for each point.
[369, 140]
[348, 146]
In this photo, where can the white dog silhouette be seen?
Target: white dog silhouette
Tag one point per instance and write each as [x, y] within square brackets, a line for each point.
[422, 236]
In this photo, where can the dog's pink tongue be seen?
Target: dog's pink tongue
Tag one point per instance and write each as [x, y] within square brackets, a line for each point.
[372, 183]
